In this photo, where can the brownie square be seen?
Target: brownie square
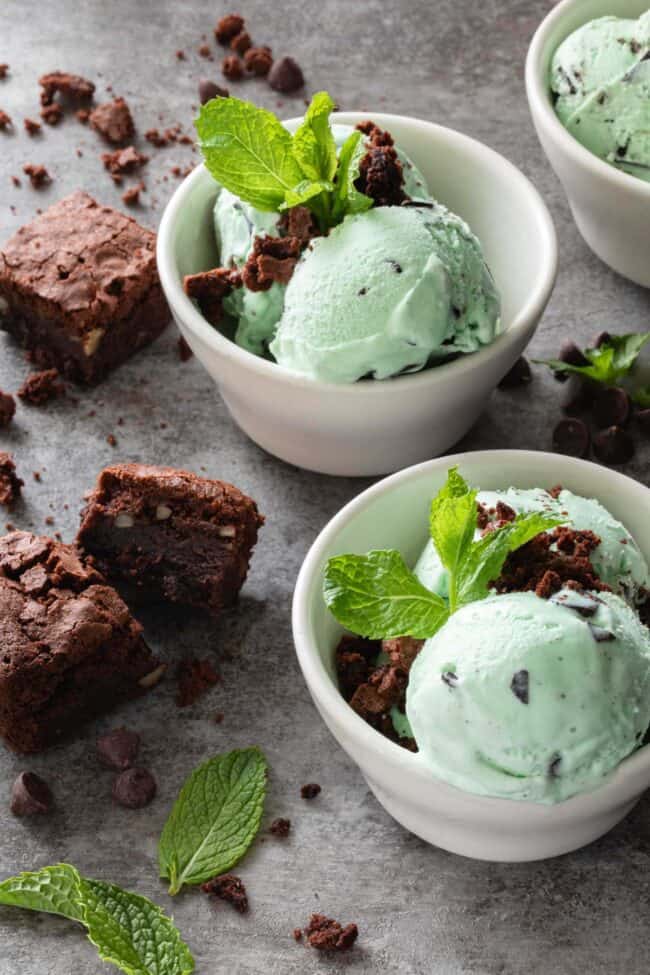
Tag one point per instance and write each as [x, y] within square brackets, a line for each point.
[70, 647]
[168, 535]
[79, 288]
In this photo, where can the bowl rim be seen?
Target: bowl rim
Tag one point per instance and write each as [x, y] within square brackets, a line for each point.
[529, 312]
[620, 782]
[538, 92]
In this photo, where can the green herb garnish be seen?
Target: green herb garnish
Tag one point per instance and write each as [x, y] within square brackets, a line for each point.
[378, 596]
[215, 818]
[611, 361]
[249, 151]
[127, 929]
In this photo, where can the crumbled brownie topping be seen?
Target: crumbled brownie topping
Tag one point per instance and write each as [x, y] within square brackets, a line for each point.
[310, 790]
[41, 387]
[258, 60]
[111, 440]
[10, 483]
[7, 409]
[241, 42]
[184, 351]
[113, 121]
[381, 176]
[194, 678]
[325, 934]
[491, 519]
[32, 127]
[271, 259]
[232, 68]
[5, 120]
[38, 175]
[556, 491]
[228, 27]
[286, 76]
[124, 161]
[209, 288]
[52, 114]
[376, 136]
[354, 662]
[299, 222]
[228, 888]
[551, 561]
[281, 827]
[131, 197]
[71, 86]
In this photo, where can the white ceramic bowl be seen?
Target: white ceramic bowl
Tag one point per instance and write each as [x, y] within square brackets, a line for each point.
[370, 428]
[394, 514]
[610, 208]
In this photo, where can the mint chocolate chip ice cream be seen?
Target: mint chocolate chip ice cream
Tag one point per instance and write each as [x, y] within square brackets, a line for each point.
[600, 79]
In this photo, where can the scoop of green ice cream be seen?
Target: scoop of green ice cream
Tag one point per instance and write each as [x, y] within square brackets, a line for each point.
[523, 698]
[600, 76]
[384, 293]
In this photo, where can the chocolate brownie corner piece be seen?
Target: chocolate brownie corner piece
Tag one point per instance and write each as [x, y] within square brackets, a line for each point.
[79, 288]
[167, 534]
[70, 647]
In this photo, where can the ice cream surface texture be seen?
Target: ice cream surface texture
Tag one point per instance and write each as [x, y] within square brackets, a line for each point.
[524, 698]
[600, 77]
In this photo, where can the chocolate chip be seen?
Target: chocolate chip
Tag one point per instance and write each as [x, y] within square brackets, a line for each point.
[613, 446]
[449, 678]
[554, 766]
[118, 749]
[600, 339]
[581, 603]
[396, 266]
[611, 407]
[30, 795]
[310, 791]
[572, 355]
[209, 90]
[571, 436]
[519, 375]
[286, 76]
[134, 788]
[519, 686]
[600, 634]
[580, 396]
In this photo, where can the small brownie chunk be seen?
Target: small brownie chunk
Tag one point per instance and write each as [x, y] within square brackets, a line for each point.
[326, 934]
[79, 288]
[10, 483]
[40, 387]
[70, 647]
[71, 86]
[7, 408]
[113, 121]
[168, 534]
[228, 888]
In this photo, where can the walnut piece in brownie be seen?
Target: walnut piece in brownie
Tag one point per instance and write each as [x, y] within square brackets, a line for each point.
[7, 409]
[10, 483]
[167, 534]
[326, 934]
[194, 678]
[71, 649]
[41, 387]
[228, 888]
[71, 86]
[81, 288]
[113, 121]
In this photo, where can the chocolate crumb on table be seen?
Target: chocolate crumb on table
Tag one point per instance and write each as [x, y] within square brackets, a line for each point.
[30, 795]
[613, 445]
[228, 888]
[32, 127]
[297, 934]
[71, 86]
[232, 68]
[7, 409]
[5, 121]
[286, 76]
[81, 288]
[38, 175]
[204, 51]
[310, 790]
[41, 387]
[124, 161]
[163, 533]
[281, 827]
[194, 678]
[4, 70]
[52, 114]
[326, 934]
[113, 121]
[10, 483]
[111, 440]
[258, 60]
[228, 27]
[131, 197]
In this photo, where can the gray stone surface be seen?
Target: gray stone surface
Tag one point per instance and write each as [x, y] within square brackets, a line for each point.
[419, 909]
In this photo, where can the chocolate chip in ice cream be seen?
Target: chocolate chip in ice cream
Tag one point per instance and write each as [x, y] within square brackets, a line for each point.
[519, 686]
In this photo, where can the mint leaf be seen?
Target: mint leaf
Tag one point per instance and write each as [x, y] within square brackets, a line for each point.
[641, 397]
[214, 819]
[55, 890]
[377, 596]
[608, 363]
[347, 198]
[248, 150]
[452, 524]
[485, 559]
[313, 145]
[132, 932]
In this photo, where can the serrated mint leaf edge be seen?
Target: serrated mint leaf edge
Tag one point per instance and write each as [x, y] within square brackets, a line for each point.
[17, 891]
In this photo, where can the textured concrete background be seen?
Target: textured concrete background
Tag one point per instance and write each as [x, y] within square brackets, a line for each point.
[419, 910]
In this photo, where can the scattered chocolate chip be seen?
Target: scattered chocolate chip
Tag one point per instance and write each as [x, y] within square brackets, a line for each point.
[118, 749]
[7, 409]
[232, 68]
[38, 175]
[71, 86]
[571, 436]
[600, 634]
[519, 375]
[580, 396]
[519, 686]
[228, 888]
[10, 483]
[611, 406]
[449, 678]
[554, 766]
[613, 446]
[209, 90]
[310, 791]
[41, 387]
[281, 827]
[241, 42]
[325, 934]
[259, 61]
[286, 76]
[180, 55]
[194, 678]
[30, 795]
[228, 27]
[134, 788]
[32, 127]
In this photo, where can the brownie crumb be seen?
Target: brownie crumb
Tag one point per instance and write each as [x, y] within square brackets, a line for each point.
[228, 27]
[209, 288]
[82, 115]
[204, 51]
[52, 114]
[218, 717]
[41, 387]
[113, 121]
[167, 137]
[551, 561]
[71, 86]
[124, 160]
[111, 440]
[240, 43]
[258, 61]
[281, 827]
[180, 55]
[232, 68]
[131, 197]
[271, 259]
[16, 181]
[30, 795]
[4, 70]
[134, 788]
[38, 175]
[326, 934]
[32, 127]
[381, 176]
[310, 791]
[228, 888]
[194, 678]
[299, 222]
[10, 483]
[5, 121]
[184, 351]
[297, 934]
[7, 409]
[286, 76]
[556, 491]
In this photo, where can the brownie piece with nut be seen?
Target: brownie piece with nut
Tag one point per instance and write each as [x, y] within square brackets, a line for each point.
[70, 647]
[79, 288]
[166, 534]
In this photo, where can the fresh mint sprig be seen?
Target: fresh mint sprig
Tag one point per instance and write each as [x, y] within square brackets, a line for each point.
[215, 818]
[610, 362]
[127, 929]
[249, 151]
[378, 596]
